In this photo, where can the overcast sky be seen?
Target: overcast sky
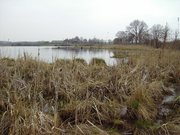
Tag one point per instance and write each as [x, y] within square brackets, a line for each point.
[32, 20]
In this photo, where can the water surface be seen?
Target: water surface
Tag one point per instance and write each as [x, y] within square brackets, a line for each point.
[50, 54]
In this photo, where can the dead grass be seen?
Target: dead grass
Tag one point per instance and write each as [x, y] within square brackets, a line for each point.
[72, 97]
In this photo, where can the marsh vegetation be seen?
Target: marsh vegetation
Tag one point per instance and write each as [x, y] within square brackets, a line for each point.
[138, 97]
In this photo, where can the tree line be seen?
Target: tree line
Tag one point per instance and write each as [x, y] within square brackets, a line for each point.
[82, 41]
[138, 33]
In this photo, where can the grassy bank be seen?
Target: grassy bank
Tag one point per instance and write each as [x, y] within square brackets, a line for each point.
[72, 97]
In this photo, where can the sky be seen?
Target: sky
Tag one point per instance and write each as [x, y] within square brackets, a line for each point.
[46, 20]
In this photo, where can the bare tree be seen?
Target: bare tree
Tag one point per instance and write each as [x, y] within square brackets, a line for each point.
[137, 29]
[146, 39]
[121, 34]
[165, 34]
[122, 37]
[157, 34]
[176, 35]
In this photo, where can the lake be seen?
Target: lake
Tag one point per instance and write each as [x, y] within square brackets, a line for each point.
[50, 54]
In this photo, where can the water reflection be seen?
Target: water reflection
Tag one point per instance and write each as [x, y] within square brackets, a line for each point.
[49, 54]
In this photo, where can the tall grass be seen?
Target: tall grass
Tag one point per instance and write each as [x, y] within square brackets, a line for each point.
[71, 97]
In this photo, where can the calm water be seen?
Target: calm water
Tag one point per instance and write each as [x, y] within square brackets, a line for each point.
[49, 54]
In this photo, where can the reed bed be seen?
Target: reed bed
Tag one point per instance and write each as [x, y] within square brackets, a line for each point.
[71, 97]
